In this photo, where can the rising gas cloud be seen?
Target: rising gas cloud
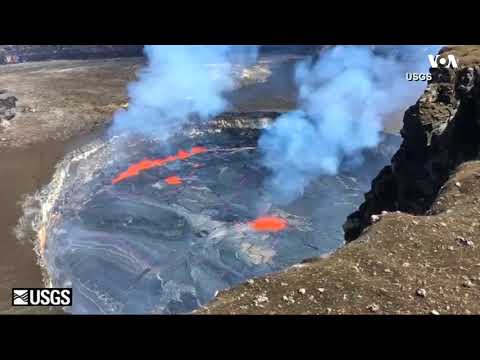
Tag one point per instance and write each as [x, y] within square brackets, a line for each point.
[180, 81]
[344, 95]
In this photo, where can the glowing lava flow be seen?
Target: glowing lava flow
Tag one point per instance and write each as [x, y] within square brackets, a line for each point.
[268, 224]
[147, 164]
[174, 180]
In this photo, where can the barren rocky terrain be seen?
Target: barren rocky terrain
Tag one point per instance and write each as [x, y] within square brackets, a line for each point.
[60, 99]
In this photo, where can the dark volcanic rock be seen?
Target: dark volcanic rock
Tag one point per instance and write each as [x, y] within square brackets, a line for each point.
[440, 132]
[7, 107]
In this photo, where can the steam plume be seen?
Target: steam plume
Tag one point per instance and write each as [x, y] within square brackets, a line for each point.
[180, 81]
[343, 98]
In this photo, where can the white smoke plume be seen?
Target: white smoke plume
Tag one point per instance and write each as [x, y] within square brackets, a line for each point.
[344, 96]
[178, 82]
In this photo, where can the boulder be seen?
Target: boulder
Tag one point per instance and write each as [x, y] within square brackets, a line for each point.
[8, 108]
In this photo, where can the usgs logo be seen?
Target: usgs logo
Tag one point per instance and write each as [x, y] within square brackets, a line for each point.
[418, 76]
[41, 297]
[436, 61]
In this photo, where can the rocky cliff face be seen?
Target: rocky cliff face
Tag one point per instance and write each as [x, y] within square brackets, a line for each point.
[440, 132]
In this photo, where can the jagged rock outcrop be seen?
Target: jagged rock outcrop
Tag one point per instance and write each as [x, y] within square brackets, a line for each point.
[440, 132]
[8, 105]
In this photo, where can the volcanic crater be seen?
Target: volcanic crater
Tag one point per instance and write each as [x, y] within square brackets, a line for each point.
[136, 225]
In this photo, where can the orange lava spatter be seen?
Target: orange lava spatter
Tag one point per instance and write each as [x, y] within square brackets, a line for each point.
[147, 164]
[268, 224]
[174, 180]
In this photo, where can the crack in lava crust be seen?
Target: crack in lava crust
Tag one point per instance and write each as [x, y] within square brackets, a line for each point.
[135, 169]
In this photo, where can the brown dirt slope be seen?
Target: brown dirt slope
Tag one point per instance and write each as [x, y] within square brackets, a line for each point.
[465, 54]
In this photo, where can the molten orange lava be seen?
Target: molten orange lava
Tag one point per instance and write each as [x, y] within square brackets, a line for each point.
[174, 180]
[147, 164]
[268, 224]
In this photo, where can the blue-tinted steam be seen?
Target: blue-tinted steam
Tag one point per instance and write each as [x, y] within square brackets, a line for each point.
[180, 81]
[343, 98]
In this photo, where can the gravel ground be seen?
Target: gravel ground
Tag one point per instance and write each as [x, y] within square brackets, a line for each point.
[61, 99]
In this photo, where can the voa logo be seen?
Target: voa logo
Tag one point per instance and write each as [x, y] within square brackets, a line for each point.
[436, 61]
